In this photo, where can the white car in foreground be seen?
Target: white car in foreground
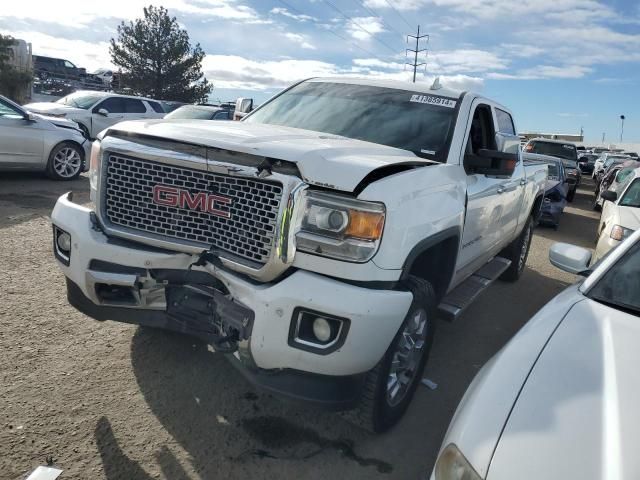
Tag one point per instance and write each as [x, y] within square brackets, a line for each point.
[560, 400]
[95, 111]
[620, 214]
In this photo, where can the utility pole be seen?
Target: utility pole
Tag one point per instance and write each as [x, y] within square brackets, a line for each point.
[621, 127]
[603, 138]
[415, 52]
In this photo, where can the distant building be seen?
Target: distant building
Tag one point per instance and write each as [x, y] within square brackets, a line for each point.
[568, 137]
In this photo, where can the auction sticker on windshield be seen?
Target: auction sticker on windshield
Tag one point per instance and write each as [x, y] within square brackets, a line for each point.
[433, 100]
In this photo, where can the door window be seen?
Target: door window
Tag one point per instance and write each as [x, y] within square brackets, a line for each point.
[156, 106]
[112, 105]
[505, 122]
[223, 115]
[68, 64]
[131, 105]
[482, 134]
[8, 111]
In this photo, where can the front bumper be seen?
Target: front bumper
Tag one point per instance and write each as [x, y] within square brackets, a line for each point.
[374, 315]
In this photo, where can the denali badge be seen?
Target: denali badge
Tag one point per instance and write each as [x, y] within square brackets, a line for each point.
[176, 197]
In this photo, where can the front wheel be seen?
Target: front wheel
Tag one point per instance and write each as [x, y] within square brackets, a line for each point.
[65, 162]
[518, 252]
[390, 385]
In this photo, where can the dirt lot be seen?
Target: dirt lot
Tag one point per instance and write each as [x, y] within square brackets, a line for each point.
[108, 400]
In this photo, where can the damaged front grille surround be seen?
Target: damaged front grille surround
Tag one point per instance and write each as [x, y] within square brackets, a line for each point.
[259, 237]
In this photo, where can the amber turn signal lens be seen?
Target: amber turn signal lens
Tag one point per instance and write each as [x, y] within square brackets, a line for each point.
[365, 225]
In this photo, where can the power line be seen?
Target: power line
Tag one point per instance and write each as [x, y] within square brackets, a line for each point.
[359, 26]
[353, 44]
[399, 14]
[415, 52]
[371, 11]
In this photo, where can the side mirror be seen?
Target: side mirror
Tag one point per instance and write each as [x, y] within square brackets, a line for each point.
[570, 258]
[104, 112]
[609, 195]
[492, 162]
[507, 143]
[29, 117]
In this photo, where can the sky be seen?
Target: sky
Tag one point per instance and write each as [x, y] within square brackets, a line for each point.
[559, 65]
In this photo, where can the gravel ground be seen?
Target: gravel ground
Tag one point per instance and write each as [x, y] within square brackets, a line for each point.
[112, 401]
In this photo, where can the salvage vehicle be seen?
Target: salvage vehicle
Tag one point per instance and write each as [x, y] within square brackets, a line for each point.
[559, 401]
[612, 178]
[94, 111]
[620, 214]
[586, 162]
[564, 150]
[30, 142]
[200, 112]
[605, 157]
[556, 188]
[315, 241]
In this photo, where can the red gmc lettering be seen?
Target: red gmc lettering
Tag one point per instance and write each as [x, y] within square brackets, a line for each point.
[175, 197]
[163, 195]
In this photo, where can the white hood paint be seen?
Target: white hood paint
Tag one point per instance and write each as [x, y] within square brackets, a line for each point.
[629, 217]
[59, 122]
[318, 155]
[577, 416]
[52, 107]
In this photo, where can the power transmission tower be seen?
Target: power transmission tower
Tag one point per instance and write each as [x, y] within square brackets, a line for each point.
[415, 52]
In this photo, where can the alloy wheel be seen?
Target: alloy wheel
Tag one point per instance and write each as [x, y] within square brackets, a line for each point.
[67, 162]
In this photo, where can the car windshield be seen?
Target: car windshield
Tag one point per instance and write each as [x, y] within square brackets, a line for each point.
[80, 100]
[192, 112]
[412, 121]
[569, 164]
[632, 196]
[559, 150]
[620, 286]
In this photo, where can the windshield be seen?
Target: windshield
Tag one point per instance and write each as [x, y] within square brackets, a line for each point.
[192, 112]
[559, 150]
[632, 196]
[80, 100]
[415, 122]
[620, 286]
[570, 164]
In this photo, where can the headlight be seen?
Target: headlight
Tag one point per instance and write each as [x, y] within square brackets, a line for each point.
[618, 232]
[452, 465]
[340, 227]
[94, 168]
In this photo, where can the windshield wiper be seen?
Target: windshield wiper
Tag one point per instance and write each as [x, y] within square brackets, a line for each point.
[618, 306]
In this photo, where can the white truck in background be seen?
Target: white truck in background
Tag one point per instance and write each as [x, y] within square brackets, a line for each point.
[316, 241]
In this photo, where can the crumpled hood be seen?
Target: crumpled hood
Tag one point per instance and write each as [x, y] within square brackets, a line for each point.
[51, 107]
[630, 217]
[59, 122]
[577, 415]
[323, 159]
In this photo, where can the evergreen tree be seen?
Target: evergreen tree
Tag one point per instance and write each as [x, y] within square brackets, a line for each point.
[157, 60]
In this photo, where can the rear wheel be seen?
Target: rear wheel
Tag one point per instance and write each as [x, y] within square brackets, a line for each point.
[390, 385]
[65, 162]
[518, 252]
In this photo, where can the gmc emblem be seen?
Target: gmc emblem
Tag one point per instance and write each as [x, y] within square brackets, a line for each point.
[176, 197]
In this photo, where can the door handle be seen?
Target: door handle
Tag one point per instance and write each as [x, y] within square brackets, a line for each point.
[523, 182]
[500, 189]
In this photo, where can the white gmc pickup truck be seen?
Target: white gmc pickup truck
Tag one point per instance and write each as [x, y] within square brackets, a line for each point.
[316, 241]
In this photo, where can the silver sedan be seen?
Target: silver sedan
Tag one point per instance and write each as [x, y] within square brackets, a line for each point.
[39, 143]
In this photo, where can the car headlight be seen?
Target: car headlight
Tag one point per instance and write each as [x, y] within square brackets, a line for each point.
[451, 465]
[94, 168]
[618, 232]
[340, 227]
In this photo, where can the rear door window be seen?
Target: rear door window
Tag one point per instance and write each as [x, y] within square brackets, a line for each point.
[131, 105]
[112, 105]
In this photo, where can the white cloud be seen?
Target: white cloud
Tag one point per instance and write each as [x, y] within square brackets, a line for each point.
[542, 72]
[286, 13]
[363, 28]
[82, 14]
[300, 40]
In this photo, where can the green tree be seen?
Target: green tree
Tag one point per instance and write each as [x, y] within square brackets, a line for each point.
[157, 60]
[13, 83]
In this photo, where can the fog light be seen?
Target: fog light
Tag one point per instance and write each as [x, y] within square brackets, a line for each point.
[322, 329]
[317, 332]
[64, 242]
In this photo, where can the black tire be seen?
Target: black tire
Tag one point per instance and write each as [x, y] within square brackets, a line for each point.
[518, 252]
[54, 173]
[570, 195]
[377, 412]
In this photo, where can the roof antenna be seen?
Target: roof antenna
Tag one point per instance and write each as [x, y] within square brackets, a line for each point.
[436, 84]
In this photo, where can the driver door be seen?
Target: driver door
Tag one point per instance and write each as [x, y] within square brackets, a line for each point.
[482, 225]
[115, 113]
[21, 140]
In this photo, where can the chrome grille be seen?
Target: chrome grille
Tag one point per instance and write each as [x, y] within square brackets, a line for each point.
[248, 232]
